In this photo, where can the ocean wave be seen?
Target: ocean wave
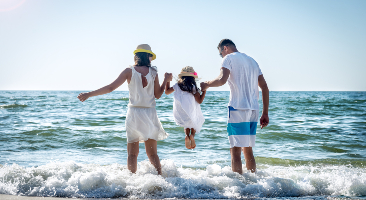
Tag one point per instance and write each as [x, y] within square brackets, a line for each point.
[317, 162]
[70, 179]
[13, 106]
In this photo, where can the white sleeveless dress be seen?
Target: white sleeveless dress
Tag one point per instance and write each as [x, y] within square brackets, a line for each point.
[186, 110]
[142, 121]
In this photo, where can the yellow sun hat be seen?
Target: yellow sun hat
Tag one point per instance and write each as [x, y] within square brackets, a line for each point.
[145, 48]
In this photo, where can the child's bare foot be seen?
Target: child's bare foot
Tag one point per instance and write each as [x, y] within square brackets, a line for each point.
[193, 143]
[188, 143]
[191, 137]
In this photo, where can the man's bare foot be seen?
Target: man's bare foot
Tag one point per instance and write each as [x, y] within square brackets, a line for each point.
[188, 143]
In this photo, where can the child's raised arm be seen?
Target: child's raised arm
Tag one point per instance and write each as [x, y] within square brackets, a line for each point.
[168, 89]
[199, 97]
[108, 88]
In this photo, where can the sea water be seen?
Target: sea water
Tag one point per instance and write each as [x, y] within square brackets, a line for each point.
[52, 144]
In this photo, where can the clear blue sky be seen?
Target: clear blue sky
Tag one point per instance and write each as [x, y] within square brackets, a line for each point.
[83, 45]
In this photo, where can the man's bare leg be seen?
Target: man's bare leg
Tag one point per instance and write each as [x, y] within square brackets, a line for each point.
[187, 140]
[152, 153]
[191, 137]
[236, 160]
[132, 152]
[249, 159]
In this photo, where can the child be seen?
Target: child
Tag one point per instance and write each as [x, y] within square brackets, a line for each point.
[142, 123]
[187, 99]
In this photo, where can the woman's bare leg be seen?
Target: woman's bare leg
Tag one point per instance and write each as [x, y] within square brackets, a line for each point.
[191, 137]
[249, 159]
[152, 153]
[236, 160]
[133, 152]
[187, 139]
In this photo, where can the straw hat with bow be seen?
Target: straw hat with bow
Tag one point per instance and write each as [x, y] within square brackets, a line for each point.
[188, 71]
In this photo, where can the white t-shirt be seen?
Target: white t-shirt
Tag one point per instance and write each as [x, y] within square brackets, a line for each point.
[243, 81]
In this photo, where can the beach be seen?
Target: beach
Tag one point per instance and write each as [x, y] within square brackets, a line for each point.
[56, 146]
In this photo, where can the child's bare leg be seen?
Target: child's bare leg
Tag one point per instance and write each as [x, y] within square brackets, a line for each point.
[133, 152]
[152, 153]
[187, 139]
[191, 137]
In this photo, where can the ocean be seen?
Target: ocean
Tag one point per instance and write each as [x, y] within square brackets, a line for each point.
[52, 144]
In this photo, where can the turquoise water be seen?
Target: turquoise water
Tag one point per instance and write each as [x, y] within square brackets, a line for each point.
[52, 144]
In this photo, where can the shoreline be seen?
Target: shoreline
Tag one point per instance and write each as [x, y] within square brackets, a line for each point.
[15, 197]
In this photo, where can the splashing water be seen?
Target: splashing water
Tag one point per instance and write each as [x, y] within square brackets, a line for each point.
[70, 179]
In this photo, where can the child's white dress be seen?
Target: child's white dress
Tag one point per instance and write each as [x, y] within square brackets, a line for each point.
[142, 121]
[187, 112]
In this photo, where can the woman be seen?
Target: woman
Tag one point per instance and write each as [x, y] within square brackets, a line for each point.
[142, 123]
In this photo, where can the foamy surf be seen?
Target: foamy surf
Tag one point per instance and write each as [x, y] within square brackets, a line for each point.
[70, 179]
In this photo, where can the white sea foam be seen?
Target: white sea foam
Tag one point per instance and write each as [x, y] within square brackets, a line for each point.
[70, 179]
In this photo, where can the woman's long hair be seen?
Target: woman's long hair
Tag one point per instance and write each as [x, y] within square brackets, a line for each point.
[186, 83]
[142, 59]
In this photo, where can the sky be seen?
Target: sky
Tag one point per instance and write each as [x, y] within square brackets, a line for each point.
[84, 45]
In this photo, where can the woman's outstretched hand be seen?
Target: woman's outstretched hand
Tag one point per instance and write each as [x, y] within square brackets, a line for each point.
[83, 96]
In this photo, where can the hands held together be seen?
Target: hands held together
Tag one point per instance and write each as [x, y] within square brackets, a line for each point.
[204, 86]
[168, 76]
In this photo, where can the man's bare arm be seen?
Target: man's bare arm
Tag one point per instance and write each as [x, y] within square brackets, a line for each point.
[219, 81]
[265, 98]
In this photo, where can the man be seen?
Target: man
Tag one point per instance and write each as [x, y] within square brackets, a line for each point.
[244, 76]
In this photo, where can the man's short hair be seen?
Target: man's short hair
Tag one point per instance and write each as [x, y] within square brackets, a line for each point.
[225, 42]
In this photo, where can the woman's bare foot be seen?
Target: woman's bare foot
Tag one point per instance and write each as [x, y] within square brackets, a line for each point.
[188, 143]
[191, 137]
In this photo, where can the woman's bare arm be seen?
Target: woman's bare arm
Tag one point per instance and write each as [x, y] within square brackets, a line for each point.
[159, 90]
[126, 74]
